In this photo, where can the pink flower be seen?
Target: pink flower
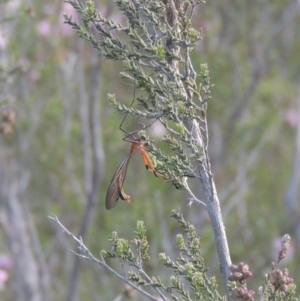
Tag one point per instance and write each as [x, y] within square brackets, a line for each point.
[3, 278]
[157, 130]
[291, 117]
[44, 28]
[66, 29]
[69, 9]
[277, 246]
[5, 262]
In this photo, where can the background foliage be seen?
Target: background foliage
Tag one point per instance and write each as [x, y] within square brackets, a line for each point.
[57, 85]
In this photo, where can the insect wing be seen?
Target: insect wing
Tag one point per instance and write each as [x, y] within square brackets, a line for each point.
[115, 189]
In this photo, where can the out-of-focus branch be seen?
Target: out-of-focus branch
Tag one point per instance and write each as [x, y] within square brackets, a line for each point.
[93, 154]
[32, 283]
[260, 46]
[292, 193]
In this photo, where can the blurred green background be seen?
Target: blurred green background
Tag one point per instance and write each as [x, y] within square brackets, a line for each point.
[60, 145]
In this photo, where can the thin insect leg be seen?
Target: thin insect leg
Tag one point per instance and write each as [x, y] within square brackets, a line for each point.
[128, 135]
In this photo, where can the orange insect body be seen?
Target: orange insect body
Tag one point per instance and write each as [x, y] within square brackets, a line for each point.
[115, 189]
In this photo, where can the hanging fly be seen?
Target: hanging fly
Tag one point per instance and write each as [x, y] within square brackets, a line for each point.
[115, 189]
